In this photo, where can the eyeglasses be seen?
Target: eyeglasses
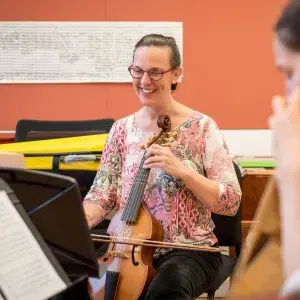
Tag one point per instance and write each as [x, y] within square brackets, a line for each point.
[153, 74]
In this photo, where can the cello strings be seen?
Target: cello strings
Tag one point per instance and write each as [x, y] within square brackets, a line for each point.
[123, 227]
[129, 212]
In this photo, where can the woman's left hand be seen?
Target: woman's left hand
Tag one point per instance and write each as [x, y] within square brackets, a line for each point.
[162, 157]
[285, 123]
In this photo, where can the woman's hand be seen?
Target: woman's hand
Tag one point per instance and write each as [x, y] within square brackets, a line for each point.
[285, 123]
[162, 157]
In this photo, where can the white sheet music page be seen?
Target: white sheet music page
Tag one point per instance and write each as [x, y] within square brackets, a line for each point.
[25, 272]
[74, 52]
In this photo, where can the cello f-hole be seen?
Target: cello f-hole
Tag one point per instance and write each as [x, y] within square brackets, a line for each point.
[132, 256]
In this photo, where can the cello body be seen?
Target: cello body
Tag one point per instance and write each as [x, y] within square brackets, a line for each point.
[136, 270]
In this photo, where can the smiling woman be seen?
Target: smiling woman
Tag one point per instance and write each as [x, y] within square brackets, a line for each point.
[187, 181]
[155, 69]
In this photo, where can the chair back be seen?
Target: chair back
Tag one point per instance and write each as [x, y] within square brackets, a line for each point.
[30, 130]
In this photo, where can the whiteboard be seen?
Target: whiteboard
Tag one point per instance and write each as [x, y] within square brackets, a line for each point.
[74, 52]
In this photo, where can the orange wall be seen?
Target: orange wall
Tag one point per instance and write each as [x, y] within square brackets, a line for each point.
[228, 61]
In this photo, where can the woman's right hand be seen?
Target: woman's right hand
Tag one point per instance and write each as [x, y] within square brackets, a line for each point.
[93, 214]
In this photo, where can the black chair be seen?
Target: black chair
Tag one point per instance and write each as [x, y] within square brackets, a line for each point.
[32, 130]
[29, 130]
[228, 232]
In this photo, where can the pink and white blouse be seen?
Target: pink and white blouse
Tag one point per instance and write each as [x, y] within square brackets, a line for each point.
[199, 145]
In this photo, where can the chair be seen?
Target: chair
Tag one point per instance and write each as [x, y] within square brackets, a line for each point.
[228, 233]
[29, 130]
[32, 130]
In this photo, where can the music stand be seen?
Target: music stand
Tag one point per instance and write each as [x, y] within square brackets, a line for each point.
[53, 203]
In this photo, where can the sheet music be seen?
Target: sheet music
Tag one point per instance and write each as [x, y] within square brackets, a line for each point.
[53, 52]
[25, 272]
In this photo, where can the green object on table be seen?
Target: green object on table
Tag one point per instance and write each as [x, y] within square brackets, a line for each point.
[257, 163]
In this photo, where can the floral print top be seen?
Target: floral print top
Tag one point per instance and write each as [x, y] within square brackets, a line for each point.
[200, 145]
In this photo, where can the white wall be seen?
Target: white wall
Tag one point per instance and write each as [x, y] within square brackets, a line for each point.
[249, 142]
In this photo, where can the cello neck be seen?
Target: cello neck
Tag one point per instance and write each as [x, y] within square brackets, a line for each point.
[135, 199]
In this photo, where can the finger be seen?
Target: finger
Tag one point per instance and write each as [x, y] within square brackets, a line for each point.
[153, 162]
[152, 152]
[156, 146]
[152, 159]
[164, 148]
[153, 165]
[278, 104]
[157, 150]
[271, 122]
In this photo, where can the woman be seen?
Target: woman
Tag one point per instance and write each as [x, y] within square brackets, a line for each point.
[285, 123]
[187, 181]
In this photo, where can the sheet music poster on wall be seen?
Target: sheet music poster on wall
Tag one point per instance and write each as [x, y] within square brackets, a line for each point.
[74, 52]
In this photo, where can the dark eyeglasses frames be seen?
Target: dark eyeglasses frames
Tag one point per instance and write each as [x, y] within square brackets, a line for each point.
[155, 75]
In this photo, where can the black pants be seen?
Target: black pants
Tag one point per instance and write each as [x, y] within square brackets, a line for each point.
[183, 275]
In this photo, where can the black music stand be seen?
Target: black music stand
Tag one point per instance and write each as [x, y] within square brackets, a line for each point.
[54, 205]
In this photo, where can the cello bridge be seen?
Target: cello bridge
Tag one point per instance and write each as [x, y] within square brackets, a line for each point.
[118, 254]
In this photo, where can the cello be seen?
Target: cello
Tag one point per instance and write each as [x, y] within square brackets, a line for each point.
[260, 267]
[133, 236]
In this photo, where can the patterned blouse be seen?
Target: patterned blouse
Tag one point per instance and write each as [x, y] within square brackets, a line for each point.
[200, 145]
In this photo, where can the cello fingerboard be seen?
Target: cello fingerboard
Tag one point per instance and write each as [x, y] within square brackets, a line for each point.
[135, 199]
[111, 284]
